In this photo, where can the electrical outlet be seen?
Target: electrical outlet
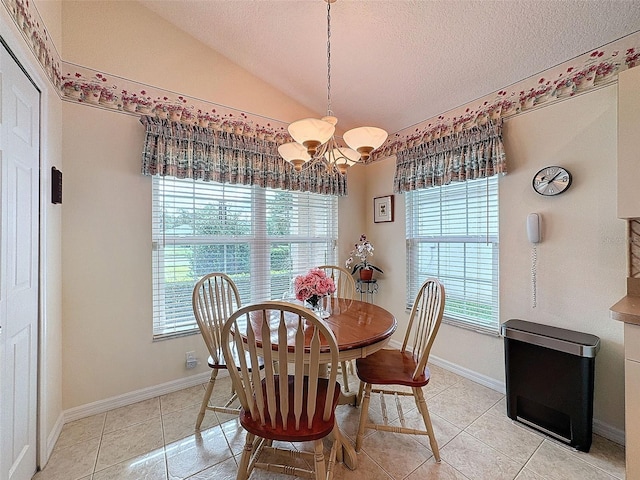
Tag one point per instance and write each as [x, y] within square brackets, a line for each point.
[192, 360]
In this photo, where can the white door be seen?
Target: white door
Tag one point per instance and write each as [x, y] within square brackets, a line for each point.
[19, 200]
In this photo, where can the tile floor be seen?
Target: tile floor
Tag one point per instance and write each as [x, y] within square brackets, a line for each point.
[155, 440]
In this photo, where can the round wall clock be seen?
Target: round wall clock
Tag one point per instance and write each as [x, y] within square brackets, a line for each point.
[551, 180]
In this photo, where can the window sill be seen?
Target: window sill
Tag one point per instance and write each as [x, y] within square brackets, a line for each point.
[168, 336]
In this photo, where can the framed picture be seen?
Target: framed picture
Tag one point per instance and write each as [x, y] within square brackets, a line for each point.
[383, 209]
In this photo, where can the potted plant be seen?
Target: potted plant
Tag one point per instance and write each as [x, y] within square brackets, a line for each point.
[361, 251]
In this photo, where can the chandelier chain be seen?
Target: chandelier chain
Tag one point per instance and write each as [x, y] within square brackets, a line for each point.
[329, 112]
[314, 140]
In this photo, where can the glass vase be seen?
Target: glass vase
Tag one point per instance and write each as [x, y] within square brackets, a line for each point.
[316, 303]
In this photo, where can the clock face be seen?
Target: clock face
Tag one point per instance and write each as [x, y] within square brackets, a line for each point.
[551, 180]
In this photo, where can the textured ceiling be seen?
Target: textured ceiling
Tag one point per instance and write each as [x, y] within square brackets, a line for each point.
[395, 63]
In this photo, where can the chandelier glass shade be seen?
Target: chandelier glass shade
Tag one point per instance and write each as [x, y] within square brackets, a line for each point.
[314, 139]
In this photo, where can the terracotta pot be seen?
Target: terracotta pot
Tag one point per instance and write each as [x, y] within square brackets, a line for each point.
[366, 274]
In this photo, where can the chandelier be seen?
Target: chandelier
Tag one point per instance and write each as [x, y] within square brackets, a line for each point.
[314, 138]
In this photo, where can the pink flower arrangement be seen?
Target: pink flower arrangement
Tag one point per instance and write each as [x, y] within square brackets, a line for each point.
[312, 286]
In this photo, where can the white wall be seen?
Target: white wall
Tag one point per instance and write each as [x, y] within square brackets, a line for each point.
[124, 38]
[108, 347]
[581, 260]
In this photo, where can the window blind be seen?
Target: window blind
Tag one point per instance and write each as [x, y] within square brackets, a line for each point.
[260, 237]
[452, 234]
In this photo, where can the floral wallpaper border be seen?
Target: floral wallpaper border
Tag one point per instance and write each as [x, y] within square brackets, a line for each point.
[83, 85]
[581, 74]
[35, 34]
[93, 88]
[98, 89]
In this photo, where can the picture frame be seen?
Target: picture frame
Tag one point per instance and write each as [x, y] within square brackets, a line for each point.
[383, 209]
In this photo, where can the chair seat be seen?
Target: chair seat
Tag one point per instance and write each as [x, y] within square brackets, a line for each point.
[319, 427]
[391, 367]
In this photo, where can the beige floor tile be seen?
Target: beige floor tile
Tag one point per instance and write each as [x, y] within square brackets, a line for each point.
[396, 453]
[606, 455]
[182, 399]
[354, 381]
[81, 430]
[182, 423]
[132, 414]
[444, 431]
[71, 463]
[440, 376]
[505, 436]
[221, 391]
[433, 388]
[528, 475]
[196, 453]
[555, 462]
[499, 408]
[477, 460]
[431, 470]
[348, 418]
[150, 466]
[130, 442]
[234, 434]
[367, 470]
[226, 470]
[478, 393]
[462, 403]
[441, 379]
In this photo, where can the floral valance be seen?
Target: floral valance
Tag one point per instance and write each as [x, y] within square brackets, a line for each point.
[466, 155]
[189, 151]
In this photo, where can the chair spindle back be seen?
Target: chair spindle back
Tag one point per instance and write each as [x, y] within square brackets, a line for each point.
[424, 322]
[215, 298]
[282, 334]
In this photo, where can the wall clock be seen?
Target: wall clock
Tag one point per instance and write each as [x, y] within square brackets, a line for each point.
[551, 180]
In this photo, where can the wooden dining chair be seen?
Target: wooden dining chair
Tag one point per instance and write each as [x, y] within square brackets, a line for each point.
[345, 284]
[215, 298]
[405, 367]
[345, 288]
[296, 406]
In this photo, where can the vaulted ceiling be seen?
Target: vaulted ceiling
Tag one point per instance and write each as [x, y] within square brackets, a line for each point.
[395, 63]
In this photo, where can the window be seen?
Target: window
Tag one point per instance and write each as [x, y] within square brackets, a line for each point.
[452, 234]
[260, 237]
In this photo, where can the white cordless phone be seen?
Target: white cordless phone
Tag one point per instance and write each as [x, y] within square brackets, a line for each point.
[533, 228]
[534, 236]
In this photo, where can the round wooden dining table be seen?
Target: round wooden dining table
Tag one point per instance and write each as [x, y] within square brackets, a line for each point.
[360, 329]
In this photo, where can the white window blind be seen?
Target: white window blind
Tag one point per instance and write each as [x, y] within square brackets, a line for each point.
[261, 238]
[452, 234]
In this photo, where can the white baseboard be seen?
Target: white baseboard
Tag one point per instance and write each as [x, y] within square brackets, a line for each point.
[53, 438]
[599, 427]
[607, 431]
[488, 382]
[102, 406]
